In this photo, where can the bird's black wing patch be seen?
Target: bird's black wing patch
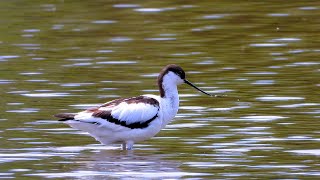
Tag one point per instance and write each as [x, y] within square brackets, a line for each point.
[108, 117]
[132, 100]
[65, 116]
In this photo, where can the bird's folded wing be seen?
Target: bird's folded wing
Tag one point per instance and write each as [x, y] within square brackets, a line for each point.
[136, 112]
[128, 113]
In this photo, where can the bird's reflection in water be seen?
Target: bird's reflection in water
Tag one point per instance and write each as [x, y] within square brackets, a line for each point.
[127, 164]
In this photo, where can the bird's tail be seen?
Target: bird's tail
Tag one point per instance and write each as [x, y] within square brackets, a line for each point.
[65, 116]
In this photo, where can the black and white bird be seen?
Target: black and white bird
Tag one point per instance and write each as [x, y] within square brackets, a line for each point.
[130, 120]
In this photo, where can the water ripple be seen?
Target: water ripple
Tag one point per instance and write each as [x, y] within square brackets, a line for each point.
[304, 64]
[6, 57]
[76, 84]
[30, 73]
[24, 110]
[120, 39]
[278, 14]
[251, 129]
[205, 62]
[268, 45]
[315, 152]
[160, 39]
[104, 51]
[31, 30]
[130, 174]
[214, 16]
[152, 10]
[208, 164]
[308, 8]
[278, 98]
[47, 94]
[298, 105]
[204, 28]
[285, 40]
[263, 82]
[116, 62]
[6, 81]
[262, 73]
[103, 22]
[261, 118]
[84, 106]
[126, 5]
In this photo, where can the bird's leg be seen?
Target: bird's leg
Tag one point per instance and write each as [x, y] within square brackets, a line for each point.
[124, 146]
[129, 145]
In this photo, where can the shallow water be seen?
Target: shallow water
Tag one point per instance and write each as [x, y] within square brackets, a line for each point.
[260, 58]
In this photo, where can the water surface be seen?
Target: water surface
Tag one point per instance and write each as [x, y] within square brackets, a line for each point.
[260, 58]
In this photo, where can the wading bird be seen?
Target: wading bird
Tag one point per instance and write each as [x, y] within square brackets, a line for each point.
[130, 120]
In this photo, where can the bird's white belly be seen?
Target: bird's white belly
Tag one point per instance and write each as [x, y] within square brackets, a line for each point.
[108, 136]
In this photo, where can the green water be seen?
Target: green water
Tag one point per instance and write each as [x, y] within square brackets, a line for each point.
[65, 56]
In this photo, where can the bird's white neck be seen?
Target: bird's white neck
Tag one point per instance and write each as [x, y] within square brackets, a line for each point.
[170, 100]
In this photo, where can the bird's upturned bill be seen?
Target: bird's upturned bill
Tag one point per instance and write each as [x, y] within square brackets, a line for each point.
[192, 85]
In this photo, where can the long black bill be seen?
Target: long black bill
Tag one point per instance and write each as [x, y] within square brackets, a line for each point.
[192, 85]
